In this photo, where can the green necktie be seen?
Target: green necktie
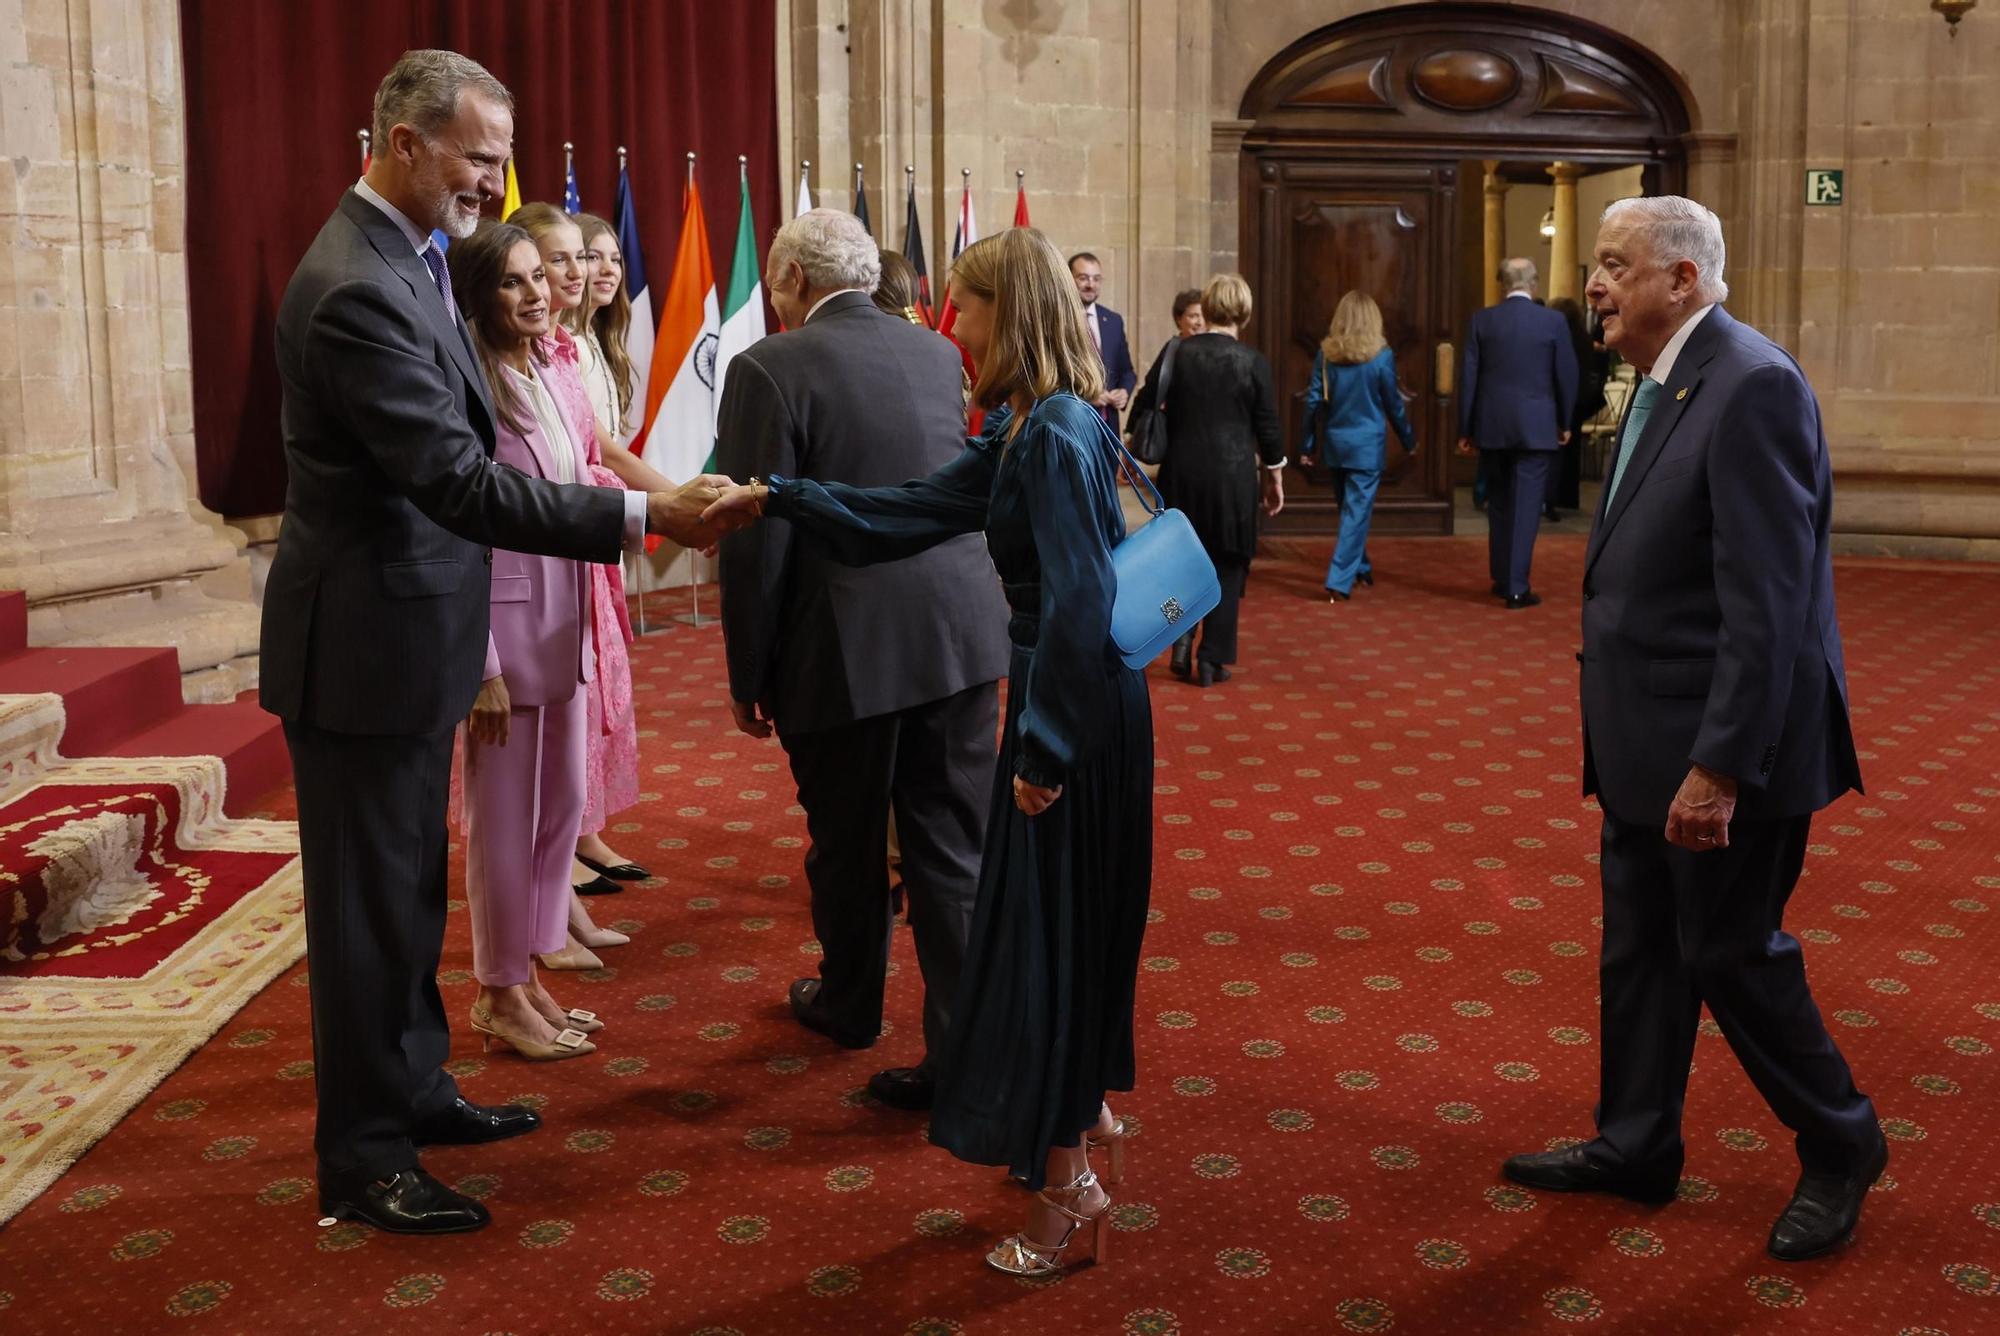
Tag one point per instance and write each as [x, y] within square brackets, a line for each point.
[1635, 422]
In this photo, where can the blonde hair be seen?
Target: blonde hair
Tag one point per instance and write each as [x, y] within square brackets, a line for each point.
[1040, 345]
[1355, 332]
[1226, 301]
[610, 322]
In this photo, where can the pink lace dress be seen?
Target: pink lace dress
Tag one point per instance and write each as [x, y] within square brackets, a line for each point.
[611, 760]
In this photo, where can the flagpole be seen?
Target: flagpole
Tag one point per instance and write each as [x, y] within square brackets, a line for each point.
[366, 139]
[693, 554]
[639, 562]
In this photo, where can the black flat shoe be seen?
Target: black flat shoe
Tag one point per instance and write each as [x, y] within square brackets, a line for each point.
[1527, 598]
[1181, 665]
[615, 871]
[1824, 1210]
[469, 1124]
[598, 886]
[1368, 578]
[410, 1202]
[804, 997]
[1571, 1170]
[904, 1088]
[1336, 596]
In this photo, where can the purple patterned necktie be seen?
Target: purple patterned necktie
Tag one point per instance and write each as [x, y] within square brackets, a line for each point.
[434, 261]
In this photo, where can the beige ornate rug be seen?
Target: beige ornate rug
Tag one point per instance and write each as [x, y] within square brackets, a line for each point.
[135, 919]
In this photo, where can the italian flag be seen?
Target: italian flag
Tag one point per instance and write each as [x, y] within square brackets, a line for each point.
[680, 387]
[743, 306]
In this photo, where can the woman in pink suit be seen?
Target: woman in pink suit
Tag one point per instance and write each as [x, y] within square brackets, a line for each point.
[525, 738]
[580, 372]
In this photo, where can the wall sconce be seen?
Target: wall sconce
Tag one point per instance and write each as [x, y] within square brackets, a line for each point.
[1549, 225]
[1953, 11]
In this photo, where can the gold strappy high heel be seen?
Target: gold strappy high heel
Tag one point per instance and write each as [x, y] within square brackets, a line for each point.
[1019, 1255]
[1115, 1139]
[570, 1043]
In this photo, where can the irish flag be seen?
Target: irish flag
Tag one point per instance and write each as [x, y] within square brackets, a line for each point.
[680, 388]
[743, 305]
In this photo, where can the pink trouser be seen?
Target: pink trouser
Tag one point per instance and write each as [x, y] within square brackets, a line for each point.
[523, 802]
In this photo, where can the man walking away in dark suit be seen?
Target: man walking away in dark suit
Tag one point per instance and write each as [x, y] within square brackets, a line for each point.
[881, 681]
[1715, 725]
[375, 622]
[1107, 331]
[1515, 393]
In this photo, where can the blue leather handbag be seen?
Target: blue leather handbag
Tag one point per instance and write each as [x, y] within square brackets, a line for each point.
[1166, 583]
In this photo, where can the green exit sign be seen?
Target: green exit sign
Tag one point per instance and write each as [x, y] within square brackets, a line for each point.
[1825, 185]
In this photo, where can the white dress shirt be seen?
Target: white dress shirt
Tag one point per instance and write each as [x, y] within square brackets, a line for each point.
[1663, 366]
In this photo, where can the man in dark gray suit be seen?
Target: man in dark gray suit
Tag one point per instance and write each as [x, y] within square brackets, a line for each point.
[1715, 725]
[880, 680]
[375, 622]
[1517, 385]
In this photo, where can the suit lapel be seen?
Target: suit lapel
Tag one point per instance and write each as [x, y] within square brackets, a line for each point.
[1675, 397]
[394, 248]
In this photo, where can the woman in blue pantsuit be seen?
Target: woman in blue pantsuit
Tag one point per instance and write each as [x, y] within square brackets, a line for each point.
[1354, 378]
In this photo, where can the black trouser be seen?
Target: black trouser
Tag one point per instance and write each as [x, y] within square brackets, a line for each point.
[372, 845]
[1682, 929]
[934, 765]
[1218, 629]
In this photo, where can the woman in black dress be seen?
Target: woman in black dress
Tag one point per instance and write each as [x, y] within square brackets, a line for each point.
[1224, 459]
[1042, 1024]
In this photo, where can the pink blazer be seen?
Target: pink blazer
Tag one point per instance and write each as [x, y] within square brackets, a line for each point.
[539, 603]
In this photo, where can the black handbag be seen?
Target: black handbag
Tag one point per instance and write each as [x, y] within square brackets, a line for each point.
[1149, 433]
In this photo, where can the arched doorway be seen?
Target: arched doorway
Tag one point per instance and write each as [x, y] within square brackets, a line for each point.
[1352, 177]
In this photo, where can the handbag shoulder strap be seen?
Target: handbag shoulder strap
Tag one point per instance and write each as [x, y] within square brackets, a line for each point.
[1166, 373]
[1134, 475]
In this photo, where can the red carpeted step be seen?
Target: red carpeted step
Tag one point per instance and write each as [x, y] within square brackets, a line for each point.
[108, 694]
[13, 622]
[250, 742]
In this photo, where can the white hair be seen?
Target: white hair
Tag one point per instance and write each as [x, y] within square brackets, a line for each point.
[832, 247]
[1517, 275]
[1678, 229]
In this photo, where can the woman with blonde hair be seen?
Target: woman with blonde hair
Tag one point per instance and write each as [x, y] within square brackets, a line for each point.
[1350, 399]
[600, 324]
[1042, 1024]
[1224, 460]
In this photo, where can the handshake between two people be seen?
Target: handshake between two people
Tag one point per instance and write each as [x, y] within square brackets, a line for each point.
[698, 512]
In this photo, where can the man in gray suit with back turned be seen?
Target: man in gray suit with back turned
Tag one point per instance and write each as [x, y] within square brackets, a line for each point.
[880, 681]
[375, 622]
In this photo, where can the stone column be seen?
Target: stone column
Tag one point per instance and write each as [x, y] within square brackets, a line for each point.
[1496, 230]
[1562, 280]
[96, 406]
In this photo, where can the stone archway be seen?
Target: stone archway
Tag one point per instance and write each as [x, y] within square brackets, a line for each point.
[1353, 138]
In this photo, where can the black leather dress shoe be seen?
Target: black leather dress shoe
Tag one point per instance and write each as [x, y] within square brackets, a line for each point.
[1571, 1170]
[616, 871]
[469, 1124]
[804, 997]
[410, 1202]
[903, 1087]
[1824, 1211]
[1527, 598]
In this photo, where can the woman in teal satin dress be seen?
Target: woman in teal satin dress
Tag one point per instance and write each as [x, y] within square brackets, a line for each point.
[1042, 1024]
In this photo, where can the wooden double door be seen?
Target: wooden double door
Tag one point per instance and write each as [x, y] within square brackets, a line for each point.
[1351, 178]
[1386, 229]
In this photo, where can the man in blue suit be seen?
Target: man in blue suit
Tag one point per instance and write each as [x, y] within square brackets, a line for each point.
[1715, 725]
[1107, 331]
[1515, 390]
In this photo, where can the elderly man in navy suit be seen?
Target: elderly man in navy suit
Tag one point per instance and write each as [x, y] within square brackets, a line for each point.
[1715, 725]
[1515, 391]
[1107, 332]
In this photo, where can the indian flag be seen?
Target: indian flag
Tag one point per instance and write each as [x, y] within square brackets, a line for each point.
[680, 388]
[743, 307]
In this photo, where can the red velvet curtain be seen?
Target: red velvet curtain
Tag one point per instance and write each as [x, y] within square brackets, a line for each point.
[275, 93]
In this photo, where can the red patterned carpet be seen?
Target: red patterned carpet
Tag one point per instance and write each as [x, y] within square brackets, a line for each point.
[1370, 976]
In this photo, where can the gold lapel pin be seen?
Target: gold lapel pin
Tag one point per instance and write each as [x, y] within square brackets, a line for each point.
[1683, 394]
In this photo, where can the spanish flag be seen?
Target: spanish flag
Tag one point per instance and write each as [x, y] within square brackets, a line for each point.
[512, 199]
